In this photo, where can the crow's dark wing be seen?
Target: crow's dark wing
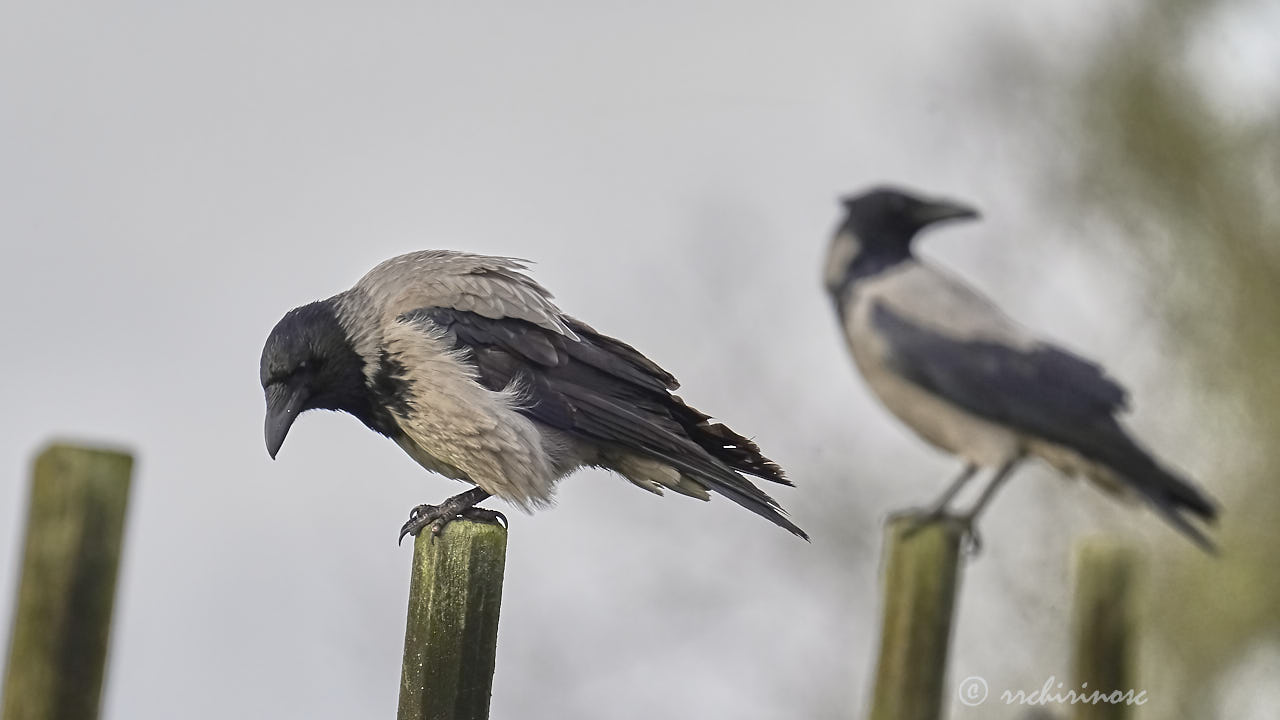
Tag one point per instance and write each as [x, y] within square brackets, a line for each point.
[1041, 391]
[603, 390]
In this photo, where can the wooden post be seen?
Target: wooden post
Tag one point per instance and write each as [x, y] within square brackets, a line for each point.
[921, 577]
[451, 637]
[1102, 657]
[62, 618]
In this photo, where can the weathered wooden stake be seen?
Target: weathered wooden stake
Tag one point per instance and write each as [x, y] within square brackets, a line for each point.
[921, 577]
[62, 618]
[451, 638]
[1102, 657]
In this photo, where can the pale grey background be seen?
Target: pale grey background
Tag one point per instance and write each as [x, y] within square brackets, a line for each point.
[176, 176]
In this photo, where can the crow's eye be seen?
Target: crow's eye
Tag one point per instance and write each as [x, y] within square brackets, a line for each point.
[277, 374]
[303, 366]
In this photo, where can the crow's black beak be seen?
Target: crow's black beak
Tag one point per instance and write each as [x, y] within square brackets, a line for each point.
[283, 405]
[939, 210]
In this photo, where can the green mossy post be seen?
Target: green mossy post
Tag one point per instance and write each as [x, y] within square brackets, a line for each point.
[451, 638]
[1103, 627]
[62, 618]
[921, 570]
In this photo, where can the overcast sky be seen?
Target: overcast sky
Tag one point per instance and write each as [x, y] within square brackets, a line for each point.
[176, 176]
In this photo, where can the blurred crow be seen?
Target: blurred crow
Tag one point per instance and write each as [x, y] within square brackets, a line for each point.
[465, 362]
[969, 380]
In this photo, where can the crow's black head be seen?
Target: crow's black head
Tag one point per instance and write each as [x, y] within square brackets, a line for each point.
[877, 231]
[890, 216]
[309, 363]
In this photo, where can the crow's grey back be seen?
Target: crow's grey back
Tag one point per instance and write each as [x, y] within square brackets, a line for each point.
[493, 287]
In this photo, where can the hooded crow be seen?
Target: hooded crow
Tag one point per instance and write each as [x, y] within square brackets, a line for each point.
[953, 367]
[465, 362]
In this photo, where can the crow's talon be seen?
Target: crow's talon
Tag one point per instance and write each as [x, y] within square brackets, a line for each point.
[435, 517]
[485, 515]
[973, 539]
[918, 519]
[419, 518]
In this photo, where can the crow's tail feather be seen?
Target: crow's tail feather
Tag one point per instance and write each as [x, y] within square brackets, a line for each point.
[1174, 497]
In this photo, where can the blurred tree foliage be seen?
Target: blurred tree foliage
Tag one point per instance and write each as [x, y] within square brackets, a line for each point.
[1196, 184]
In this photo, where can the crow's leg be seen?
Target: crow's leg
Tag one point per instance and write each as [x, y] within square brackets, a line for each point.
[940, 505]
[939, 508]
[970, 519]
[437, 516]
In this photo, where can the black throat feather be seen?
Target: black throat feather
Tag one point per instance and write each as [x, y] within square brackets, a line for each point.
[335, 374]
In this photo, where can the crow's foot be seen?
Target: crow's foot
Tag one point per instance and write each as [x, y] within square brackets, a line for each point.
[917, 520]
[436, 517]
